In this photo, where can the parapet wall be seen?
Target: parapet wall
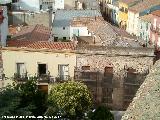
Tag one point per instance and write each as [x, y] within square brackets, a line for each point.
[115, 51]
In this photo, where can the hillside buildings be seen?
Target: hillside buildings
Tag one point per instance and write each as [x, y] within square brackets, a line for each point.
[112, 60]
[62, 27]
[140, 9]
[144, 28]
[34, 5]
[155, 29]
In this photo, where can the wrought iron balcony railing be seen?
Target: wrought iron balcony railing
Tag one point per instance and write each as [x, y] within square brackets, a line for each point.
[155, 29]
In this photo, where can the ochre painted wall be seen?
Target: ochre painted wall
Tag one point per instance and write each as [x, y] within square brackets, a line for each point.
[122, 15]
[31, 60]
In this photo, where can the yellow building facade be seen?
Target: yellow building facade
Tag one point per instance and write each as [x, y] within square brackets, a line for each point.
[36, 62]
[123, 14]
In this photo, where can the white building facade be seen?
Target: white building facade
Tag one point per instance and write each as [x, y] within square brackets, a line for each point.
[58, 4]
[5, 1]
[62, 24]
[132, 23]
[34, 5]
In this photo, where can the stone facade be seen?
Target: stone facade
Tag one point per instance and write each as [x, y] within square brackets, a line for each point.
[110, 73]
[145, 105]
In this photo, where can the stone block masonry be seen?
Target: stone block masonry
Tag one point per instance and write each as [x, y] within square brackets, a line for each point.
[117, 87]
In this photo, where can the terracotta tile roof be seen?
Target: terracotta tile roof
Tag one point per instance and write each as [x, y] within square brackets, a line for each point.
[52, 45]
[145, 4]
[42, 45]
[156, 13]
[146, 18]
[18, 43]
[33, 33]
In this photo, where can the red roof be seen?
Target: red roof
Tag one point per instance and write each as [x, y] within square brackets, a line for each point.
[18, 43]
[156, 13]
[33, 33]
[42, 45]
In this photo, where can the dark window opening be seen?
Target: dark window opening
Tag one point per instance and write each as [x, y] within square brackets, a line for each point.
[42, 69]
[63, 28]
[85, 67]
[108, 75]
[55, 39]
[40, 7]
[14, 1]
[86, 75]
[64, 38]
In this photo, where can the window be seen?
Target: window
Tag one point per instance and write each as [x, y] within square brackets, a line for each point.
[147, 26]
[42, 69]
[40, 7]
[63, 28]
[85, 67]
[141, 26]
[140, 35]
[64, 38]
[108, 74]
[14, 1]
[55, 39]
[63, 71]
[21, 69]
[153, 38]
[86, 75]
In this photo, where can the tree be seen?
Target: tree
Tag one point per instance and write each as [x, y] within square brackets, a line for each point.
[101, 113]
[32, 97]
[23, 99]
[72, 99]
[9, 103]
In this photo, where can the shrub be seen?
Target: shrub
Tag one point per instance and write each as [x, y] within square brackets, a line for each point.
[72, 99]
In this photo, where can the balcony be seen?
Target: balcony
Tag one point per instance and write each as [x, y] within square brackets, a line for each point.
[41, 79]
[124, 10]
[24, 77]
[155, 29]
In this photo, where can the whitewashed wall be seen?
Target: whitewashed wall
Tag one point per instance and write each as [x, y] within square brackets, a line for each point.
[83, 31]
[68, 32]
[60, 32]
[132, 24]
[59, 4]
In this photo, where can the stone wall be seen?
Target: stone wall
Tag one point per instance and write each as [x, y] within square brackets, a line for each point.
[146, 103]
[120, 64]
